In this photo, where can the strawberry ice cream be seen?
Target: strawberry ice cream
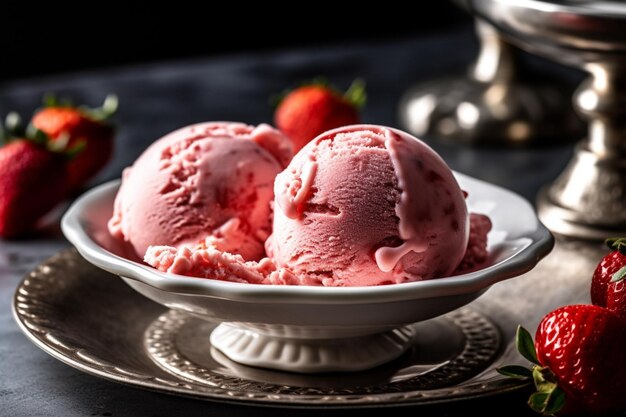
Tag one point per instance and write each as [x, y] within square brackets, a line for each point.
[368, 205]
[209, 182]
[358, 206]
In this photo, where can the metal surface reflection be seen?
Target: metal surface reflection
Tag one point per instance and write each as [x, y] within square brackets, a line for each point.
[588, 199]
[493, 103]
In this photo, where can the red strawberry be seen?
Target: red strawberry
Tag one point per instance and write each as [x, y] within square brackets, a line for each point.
[608, 286]
[78, 126]
[308, 111]
[32, 182]
[580, 361]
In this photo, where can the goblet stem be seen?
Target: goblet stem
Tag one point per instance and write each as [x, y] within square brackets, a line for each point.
[492, 103]
[602, 100]
[588, 199]
[496, 60]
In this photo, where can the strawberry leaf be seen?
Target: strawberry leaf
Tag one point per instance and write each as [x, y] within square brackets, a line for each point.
[36, 135]
[108, 108]
[555, 401]
[13, 124]
[619, 275]
[617, 243]
[356, 94]
[515, 371]
[60, 143]
[50, 100]
[76, 149]
[549, 398]
[538, 400]
[547, 403]
[319, 81]
[110, 105]
[104, 112]
[525, 345]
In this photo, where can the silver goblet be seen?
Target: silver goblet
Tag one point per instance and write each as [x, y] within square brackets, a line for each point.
[493, 103]
[588, 199]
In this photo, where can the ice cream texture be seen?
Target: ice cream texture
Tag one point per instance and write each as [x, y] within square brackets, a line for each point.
[209, 182]
[358, 206]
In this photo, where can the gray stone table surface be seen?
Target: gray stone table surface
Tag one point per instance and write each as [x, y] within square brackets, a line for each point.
[158, 98]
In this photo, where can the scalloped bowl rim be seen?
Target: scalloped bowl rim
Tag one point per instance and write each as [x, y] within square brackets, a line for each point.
[74, 221]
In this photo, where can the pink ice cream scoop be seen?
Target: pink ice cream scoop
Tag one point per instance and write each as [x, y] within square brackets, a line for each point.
[368, 205]
[358, 206]
[209, 182]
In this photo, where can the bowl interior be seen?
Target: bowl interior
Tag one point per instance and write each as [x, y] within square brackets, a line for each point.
[512, 219]
[516, 243]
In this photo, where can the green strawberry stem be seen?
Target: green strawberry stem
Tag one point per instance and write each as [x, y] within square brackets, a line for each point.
[73, 151]
[13, 130]
[617, 243]
[102, 113]
[108, 108]
[38, 136]
[50, 100]
[13, 124]
[319, 81]
[356, 94]
[549, 398]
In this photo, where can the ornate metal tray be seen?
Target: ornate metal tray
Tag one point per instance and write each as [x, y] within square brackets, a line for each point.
[92, 321]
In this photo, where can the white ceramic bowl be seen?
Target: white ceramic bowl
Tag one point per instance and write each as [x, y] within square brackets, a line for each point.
[317, 329]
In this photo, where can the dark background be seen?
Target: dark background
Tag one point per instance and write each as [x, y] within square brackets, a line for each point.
[36, 42]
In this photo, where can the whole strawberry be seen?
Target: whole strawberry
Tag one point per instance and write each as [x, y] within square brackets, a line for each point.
[608, 285]
[580, 366]
[32, 182]
[310, 110]
[79, 126]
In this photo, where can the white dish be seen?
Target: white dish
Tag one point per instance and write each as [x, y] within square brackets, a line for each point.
[317, 329]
